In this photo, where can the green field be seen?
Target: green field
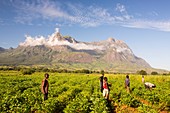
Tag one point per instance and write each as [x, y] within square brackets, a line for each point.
[79, 93]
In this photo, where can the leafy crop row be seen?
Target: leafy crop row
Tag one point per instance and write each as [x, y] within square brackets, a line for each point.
[79, 93]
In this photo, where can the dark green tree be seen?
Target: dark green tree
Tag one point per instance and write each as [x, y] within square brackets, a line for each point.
[154, 73]
[142, 72]
[28, 71]
[102, 71]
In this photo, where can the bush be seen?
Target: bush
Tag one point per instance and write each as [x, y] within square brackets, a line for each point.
[28, 71]
[154, 73]
[83, 71]
[102, 71]
[142, 72]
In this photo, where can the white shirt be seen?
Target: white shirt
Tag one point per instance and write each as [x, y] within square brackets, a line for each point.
[149, 84]
[143, 80]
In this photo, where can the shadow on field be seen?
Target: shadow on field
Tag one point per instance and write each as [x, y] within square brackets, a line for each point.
[110, 106]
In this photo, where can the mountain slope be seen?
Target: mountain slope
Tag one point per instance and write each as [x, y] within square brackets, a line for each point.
[66, 52]
[26, 56]
[2, 49]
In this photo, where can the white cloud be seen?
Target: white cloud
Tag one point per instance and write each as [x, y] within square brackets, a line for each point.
[153, 13]
[33, 41]
[121, 8]
[56, 39]
[156, 25]
[89, 16]
[53, 41]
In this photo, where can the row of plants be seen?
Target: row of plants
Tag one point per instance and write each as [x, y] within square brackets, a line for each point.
[80, 93]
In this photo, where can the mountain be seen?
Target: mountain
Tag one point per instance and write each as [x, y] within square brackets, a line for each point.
[66, 52]
[2, 49]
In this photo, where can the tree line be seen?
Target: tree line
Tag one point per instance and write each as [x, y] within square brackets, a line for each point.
[31, 70]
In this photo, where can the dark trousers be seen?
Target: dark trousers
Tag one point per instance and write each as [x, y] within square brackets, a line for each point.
[45, 96]
[101, 87]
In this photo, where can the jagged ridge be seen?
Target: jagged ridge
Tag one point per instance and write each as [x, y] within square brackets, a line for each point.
[111, 54]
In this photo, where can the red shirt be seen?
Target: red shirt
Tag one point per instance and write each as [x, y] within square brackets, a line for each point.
[105, 86]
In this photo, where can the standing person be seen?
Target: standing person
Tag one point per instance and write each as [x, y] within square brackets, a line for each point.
[44, 86]
[101, 82]
[143, 79]
[106, 88]
[127, 83]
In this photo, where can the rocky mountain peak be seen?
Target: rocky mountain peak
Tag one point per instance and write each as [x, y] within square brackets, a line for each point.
[56, 49]
[2, 49]
[56, 36]
[70, 39]
[111, 39]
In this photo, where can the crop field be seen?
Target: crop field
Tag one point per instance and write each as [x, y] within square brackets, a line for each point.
[80, 93]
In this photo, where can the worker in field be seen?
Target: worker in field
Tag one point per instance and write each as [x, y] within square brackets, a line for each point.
[106, 88]
[44, 86]
[101, 82]
[127, 83]
[149, 85]
[143, 79]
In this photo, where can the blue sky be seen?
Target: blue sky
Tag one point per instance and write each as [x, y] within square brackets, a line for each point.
[143, 24]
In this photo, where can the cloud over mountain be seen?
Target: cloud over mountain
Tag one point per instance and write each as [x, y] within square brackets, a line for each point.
[110, 54]
[57, 39]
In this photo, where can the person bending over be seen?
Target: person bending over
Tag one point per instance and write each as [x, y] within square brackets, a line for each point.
[149, 85]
